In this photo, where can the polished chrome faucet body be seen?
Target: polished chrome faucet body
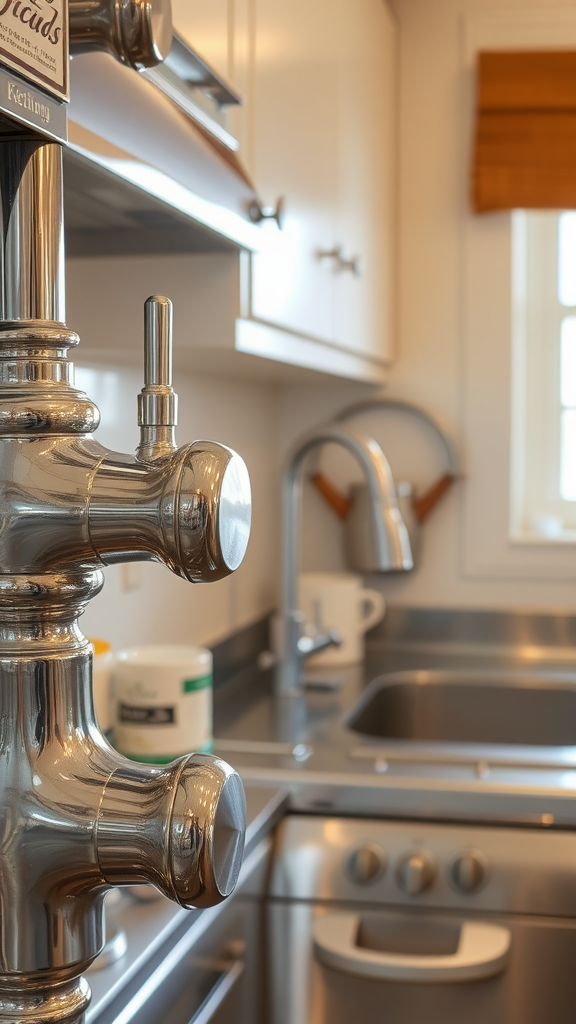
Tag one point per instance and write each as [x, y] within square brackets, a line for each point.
[75, 816]
[390, 543]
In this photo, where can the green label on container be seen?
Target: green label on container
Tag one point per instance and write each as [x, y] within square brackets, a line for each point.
[190, 685]
[206, 748]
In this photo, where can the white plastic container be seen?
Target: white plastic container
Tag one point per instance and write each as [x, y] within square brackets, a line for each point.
[163, 702]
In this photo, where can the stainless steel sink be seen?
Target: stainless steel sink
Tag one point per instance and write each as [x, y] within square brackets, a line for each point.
[479, 707]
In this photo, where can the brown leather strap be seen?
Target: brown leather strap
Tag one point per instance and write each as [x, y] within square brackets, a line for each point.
[341, 503]
[423, 505]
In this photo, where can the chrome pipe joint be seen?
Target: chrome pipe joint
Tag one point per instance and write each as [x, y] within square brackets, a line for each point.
[77, 817]
[137, 33]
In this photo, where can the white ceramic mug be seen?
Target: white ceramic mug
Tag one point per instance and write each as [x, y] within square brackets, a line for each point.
[163, 702]
[339, 601]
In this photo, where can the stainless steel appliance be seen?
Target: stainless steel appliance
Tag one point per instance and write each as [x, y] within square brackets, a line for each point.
[421, 923]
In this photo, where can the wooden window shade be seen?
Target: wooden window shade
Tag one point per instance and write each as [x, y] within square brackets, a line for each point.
[525, 146]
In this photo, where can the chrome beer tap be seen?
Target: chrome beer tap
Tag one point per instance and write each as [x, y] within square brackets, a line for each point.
[75, 816]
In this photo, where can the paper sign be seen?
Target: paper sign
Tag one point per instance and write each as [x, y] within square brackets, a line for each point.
[34, 42]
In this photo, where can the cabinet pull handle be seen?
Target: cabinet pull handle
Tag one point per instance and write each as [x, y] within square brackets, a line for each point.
[341, 262]
[257, 212]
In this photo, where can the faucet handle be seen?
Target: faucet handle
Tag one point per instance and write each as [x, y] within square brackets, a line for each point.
[158, 322]
[180, 827]
[308, 645]
[157, 402]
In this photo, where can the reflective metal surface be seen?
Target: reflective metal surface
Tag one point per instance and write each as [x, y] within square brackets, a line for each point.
[469, 707]
[32, 260]
[136, 32]
[390, 544]
[142, 986]
[77, 817]
[180, 828]
[500, 952]
[354, 773]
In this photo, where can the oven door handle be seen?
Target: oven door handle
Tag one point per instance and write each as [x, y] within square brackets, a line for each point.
[483, 951]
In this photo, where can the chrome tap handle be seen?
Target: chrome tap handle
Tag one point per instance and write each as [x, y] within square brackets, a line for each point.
[191, 847]
[189, 507]
[308, 645]
[157, 402]
[158, 319]
[137, 32]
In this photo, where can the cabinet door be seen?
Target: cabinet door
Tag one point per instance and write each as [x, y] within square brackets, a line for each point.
[205, 26]
[365, 213]
[294, 117]
[322, 116]
[219, 31]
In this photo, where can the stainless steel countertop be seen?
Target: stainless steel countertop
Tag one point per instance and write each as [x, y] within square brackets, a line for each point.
[349, 773]
[296, 753]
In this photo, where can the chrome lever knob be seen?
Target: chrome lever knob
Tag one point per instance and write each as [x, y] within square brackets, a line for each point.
[158, 320]
[208, 826]
[157, 402]
[180, 828]
[213, 510]
[137, 32]
[189, 507]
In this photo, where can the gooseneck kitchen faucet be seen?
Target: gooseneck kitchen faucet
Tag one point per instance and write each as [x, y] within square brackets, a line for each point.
[75, 816]
[390, 546]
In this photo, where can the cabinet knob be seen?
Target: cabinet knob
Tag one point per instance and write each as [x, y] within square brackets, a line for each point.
[366, 863]
[468, 871]
[258, 213]
[341, 262]
[416, 872]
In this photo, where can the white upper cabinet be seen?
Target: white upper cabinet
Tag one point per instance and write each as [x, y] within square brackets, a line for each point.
[204, 24]
[365, 207]
[316, 127]
[294, 127]
[322, 136]
[218, 30]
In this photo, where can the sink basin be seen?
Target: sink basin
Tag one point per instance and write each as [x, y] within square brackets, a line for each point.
[469, 707]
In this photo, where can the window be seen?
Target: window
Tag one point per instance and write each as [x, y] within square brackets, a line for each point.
[543, 478]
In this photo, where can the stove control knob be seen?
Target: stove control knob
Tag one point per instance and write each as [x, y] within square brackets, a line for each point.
[416, 871]
[468, 871]
[366, 863]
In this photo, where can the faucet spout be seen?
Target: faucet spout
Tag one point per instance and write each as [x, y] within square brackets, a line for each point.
[391, 545]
